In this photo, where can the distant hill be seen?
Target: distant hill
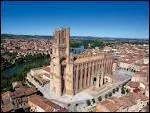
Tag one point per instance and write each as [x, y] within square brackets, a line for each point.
[42, 37]
[73, 37]
[24, 36]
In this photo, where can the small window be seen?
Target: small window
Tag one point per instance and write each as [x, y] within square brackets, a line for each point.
[94, 78]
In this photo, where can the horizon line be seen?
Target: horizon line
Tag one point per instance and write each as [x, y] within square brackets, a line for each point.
[75, 35]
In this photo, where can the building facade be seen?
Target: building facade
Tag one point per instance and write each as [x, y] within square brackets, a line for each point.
[40, 104]
[72, 74]
[18, 99]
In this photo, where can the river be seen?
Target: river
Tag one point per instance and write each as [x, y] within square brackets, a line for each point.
[20, 67]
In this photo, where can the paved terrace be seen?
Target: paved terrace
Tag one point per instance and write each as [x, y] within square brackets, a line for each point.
[119, 78]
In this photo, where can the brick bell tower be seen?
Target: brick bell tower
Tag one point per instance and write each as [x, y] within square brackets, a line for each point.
[60, 50]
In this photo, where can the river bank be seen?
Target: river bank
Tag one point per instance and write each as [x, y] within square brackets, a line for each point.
[18, 71]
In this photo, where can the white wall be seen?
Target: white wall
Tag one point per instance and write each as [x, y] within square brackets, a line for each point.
[39, 109]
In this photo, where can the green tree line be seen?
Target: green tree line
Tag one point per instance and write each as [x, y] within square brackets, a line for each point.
[6, 80]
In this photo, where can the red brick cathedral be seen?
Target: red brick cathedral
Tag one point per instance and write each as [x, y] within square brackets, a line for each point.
[72, 74]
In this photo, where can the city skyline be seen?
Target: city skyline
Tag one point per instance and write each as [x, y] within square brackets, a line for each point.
[100, 19]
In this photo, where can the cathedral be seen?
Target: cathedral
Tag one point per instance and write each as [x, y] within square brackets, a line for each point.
[73, 74]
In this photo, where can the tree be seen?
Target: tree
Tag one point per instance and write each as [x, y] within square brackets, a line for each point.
[127, 90]
[88, 102]
[93, 100]
[30, 62]
[114, 90]
[75, 44]
[122, 91]
[117, 89]
[110, 94]
[99, 98]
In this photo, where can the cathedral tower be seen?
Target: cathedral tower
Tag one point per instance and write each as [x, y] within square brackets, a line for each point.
[60, 51]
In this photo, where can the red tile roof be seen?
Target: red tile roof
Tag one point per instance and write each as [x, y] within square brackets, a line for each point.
[23, 92]
[7, 107]
[46, 68]
[126, 102]
[113, 104]
[133, 84]
[48, 75]
[133, 97]
[128, 62]
[110, 105]
[5, 95]
[142, 74]
[143, 97]
[46, 104]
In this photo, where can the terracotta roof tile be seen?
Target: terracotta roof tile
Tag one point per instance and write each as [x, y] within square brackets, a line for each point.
[142, 73]
[22, 92]
[101, 108]
[7, 107]
[133, 97]
[143, 97]
[133, 84]
[117, 101]
[110, 105]
[46, 68]
[128, 62]
[45, 104]
[5, 95]
[126, 102]
[37, 100]
[48, 75]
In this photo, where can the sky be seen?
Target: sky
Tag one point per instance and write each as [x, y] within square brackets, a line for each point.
[101, 19]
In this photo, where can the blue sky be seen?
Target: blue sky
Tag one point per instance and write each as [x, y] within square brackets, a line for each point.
[110, 19]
